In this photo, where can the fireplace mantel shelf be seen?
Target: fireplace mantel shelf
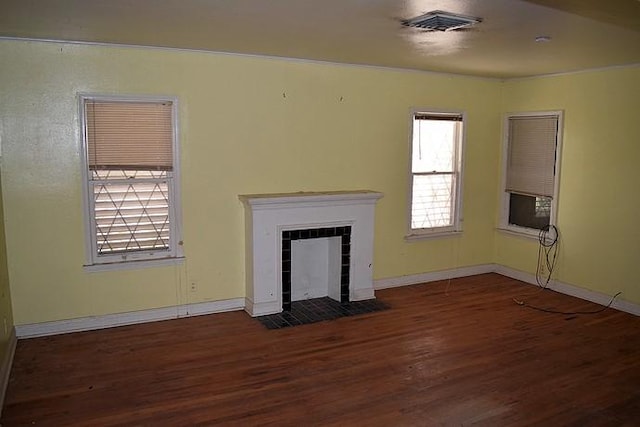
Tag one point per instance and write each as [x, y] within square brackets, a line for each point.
[323, 197]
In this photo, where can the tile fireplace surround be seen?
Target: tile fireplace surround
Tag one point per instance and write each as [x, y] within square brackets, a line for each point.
[267, 216]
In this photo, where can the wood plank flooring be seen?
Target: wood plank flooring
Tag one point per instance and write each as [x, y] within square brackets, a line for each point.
[446, 353]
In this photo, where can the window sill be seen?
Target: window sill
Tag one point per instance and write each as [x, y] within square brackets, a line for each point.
[414, 237]
[525, 233]
[133, 265]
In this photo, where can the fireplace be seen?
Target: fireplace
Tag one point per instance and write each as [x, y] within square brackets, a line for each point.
[275, 224]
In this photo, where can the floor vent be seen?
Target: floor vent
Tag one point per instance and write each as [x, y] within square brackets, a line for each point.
[440, 21]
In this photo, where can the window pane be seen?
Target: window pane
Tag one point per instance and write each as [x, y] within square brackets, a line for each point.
[543, 206]
[432, 201]
[529, 211]
[434, 145]
[131, 216]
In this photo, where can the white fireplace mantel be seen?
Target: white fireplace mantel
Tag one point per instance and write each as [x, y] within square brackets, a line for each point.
[268, 215]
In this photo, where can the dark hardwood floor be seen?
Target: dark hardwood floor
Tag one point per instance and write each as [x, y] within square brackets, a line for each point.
[459, 353]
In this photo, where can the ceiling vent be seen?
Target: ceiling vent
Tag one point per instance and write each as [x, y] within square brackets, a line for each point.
[440, 21]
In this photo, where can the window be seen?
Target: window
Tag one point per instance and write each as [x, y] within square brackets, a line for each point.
[436, 146]
[531, 171]
[130, 163]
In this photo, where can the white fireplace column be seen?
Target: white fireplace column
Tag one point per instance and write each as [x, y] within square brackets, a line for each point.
[268, 215]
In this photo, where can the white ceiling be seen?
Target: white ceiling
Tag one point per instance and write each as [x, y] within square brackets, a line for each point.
[585, 33]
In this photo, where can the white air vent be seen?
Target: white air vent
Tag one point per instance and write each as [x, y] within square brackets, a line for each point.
[440, 21]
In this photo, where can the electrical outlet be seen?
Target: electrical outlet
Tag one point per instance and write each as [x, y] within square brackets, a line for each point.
[194, 287]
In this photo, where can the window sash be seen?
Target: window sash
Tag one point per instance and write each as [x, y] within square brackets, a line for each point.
[134, 220]
[430, 141]
[433, 201]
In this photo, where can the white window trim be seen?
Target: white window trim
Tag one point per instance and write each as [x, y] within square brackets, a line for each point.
[140, 259]
[503, 224]
[412, 234]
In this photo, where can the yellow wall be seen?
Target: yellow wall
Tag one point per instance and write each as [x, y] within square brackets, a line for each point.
[6, 315]
[599, 200]
[248, 125]
[258, 125]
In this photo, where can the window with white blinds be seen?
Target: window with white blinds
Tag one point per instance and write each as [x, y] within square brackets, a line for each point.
[436, 144]
[131, 169]
[531, 169]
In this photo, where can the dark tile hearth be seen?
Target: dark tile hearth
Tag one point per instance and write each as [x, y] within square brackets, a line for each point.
[318, 310]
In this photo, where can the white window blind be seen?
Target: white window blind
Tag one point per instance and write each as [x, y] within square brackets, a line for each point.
[129, 135]
[532, 155]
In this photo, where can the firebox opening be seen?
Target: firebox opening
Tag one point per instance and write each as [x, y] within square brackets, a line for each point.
[335, 243]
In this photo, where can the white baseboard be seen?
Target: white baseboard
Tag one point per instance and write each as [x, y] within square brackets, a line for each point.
[414, 279]
[561, 287]
[130, 318]
[574, 291]
[5, 368]
[261, 308]
[362, 294]
[196, 309]
[212, 307]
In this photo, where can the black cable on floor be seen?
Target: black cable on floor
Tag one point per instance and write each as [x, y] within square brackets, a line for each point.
[568, 313]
